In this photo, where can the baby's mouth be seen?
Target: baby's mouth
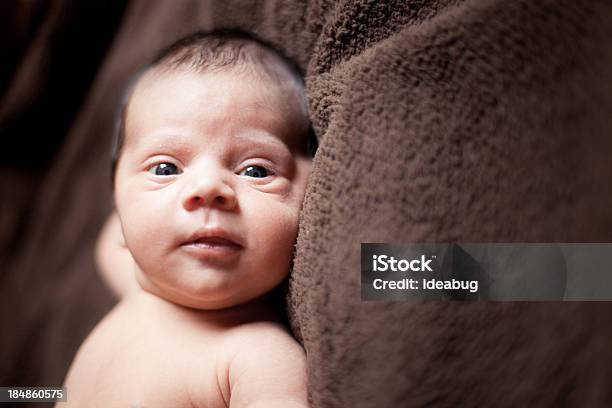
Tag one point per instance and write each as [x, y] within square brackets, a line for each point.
[214, 243]
[213, 249]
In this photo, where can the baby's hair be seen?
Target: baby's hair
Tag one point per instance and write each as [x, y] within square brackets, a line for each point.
[214, 51]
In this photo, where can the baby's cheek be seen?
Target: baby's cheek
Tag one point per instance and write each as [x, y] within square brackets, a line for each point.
[142, 232]
[280, 230]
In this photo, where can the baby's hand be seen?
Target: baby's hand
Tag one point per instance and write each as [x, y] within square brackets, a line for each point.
[268, 371]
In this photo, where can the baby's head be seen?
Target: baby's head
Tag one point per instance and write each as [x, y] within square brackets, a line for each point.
[210, 170]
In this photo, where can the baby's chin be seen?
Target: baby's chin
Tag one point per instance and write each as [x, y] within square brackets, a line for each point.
[212, 300]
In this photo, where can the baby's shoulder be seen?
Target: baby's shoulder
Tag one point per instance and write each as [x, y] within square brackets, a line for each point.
[259, 335]
[267, 367]
[263, 344]
[251, 357]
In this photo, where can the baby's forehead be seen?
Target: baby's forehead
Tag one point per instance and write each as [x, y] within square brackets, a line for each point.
[258, 94]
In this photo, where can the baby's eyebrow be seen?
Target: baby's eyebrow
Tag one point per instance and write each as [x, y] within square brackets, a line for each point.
[173, 142]
[163, 140]
[262, 138]
[268, 143]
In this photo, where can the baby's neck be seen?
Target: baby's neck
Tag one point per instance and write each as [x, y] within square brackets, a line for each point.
[258, 309]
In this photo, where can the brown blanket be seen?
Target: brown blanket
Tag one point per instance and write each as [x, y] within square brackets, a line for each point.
[481, 121]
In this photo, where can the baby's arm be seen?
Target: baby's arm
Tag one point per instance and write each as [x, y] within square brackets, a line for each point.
[114, 260]
[269, 371]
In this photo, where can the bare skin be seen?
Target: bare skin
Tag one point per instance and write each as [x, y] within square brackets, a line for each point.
[193, 328]
[152, 353]
[114, 260]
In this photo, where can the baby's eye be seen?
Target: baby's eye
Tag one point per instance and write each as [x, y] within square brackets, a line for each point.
[255, 171]
[165, 169]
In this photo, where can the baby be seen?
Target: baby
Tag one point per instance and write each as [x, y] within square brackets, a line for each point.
[210, 172]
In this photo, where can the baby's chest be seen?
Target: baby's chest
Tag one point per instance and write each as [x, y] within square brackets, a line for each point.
[146, 371]
[148, 392]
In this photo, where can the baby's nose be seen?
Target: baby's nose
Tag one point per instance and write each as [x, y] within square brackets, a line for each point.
[210, 189]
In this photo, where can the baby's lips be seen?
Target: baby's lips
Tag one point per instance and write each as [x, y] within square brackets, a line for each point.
[216, 241]
[214, 236]
[211, 248]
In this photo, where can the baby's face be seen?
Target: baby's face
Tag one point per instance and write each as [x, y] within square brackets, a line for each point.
[209, 184]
